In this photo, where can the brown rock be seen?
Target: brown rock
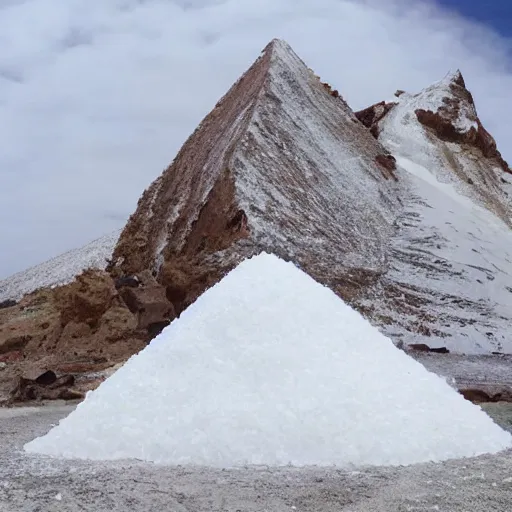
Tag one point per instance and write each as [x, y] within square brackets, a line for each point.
[74, 331]
[86, 299]
[63, 381]
[127, 281]
[46, 378]
[184, 282]
[84, 324]
[504, 395]
[388, 164]
[9, 303]
[47, 389]
[116, 324]
[21, 326]
[371, 116]
[419, 347]
[63, 394]
[83, 366]
[477, 396]
[24, 390]
[440, 350]
[148, 302]
[10, 357]
[489, 393]
[14, 343]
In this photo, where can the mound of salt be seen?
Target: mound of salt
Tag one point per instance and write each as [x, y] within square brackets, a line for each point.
[270, 367]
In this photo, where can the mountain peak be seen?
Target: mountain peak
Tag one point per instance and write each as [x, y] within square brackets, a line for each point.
[280, 46]
[243, 184]
[455, 78]
[446, 109]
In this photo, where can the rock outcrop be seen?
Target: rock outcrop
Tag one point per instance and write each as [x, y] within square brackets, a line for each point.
[456, 120]
[45, 387]
[84, 326]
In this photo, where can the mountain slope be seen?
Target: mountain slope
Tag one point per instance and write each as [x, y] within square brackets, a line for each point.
[61, 269]
[451, 276]
[280, 165]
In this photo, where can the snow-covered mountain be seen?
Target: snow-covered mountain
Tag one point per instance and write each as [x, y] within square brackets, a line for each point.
[412, 228]
[403, 209]
[61, 269]
[450, 273]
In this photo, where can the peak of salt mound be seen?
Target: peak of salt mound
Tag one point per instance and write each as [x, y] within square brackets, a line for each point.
[270, 367]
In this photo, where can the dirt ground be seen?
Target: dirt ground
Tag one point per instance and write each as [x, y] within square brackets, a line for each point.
[38, 484]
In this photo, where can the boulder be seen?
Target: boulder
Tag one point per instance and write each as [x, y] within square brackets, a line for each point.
[440, 350]
[87, 298]
[422, 347]
[46, 387]
[116, 324]
[148, 302]
[419, 347]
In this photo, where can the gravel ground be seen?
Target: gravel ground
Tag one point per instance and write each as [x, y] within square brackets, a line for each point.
[38, 484]
[469, 371]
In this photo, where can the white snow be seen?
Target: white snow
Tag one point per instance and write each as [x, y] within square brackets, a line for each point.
[447, 189]
[452, 249]
[270, 367]
[61, 269]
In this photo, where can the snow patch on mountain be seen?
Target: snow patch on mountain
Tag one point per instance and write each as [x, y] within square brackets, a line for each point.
[60, 270]
[450, 281]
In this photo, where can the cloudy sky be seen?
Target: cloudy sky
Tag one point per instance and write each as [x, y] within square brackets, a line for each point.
[97, 97]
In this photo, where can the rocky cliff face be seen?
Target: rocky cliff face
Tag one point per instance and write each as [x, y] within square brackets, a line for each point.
[85, 326]
[280, 165]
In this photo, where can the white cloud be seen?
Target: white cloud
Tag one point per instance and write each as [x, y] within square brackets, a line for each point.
[97, 97]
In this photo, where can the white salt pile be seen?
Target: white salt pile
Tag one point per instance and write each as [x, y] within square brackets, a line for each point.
[270, 367]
